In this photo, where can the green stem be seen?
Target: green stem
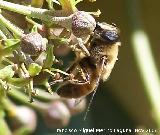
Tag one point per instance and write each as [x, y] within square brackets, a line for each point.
[30, 90]
[4, 129]
[2, 35]
[16, 94]
[37, 3]
[68, 5]
[10, 26]
[8, 106]
[40, 27]
[21, 9]
[145, 60]
[5, 31]
[45, 96]
[42, 14]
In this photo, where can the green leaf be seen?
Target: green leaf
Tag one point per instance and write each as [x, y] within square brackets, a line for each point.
[2, 89]
[60, 41]
[11, 42]
[49, 58]
[50, 3]
[8, 50]
[34, 29]
[34, 69]
[18, 81]
[7, 72]
[10, 46]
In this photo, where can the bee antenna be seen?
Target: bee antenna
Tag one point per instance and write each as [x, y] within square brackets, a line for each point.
[89, 105]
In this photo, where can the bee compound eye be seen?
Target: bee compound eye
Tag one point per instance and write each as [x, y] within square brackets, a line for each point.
[110, 36]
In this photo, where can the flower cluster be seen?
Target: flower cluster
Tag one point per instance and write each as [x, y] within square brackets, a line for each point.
[32, 43]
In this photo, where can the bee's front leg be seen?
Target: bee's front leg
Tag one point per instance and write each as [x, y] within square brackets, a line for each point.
[80, 47]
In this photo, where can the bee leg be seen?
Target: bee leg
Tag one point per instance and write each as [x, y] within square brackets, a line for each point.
[85, 77]
[83, 47]
[72, 68]
[70, 79]
[56, 81]
[80, 87]
[83, 71]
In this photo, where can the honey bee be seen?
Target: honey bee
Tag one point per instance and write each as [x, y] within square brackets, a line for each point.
[90, 70]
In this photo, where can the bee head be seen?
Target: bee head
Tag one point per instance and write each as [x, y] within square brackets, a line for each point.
[106, 33]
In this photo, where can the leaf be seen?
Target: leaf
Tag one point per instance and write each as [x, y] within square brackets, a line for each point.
[11, 42]
[49, 58]
[18, 81]
[7, 72]
[34, 69]
[8, 50]
[34, 29]
[10, 45]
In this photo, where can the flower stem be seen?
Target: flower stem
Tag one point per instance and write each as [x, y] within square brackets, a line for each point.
[4, 129]
[2, 36]
[16, 94]
[8, 106]
[42, 14]
[37, 3]
[45, 96]
[68, 5]
[10, 26]
[5, 31]
[21, 9]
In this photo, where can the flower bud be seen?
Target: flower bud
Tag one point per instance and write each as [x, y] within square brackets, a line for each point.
[57, 115]
[75, 108]
[82, 24]
[33, 44]
[24, 117]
